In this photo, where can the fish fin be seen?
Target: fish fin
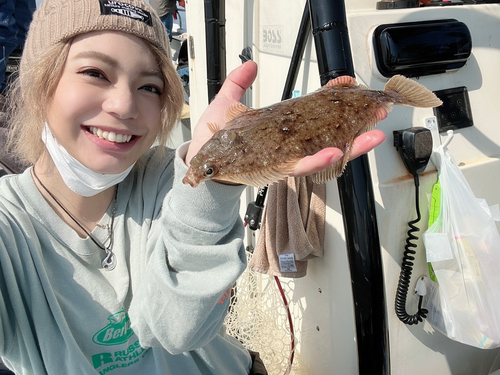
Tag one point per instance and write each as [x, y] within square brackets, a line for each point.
[333, 171]
[213, 127]
[380, 115]
[234, 111]
[412, 93]
[264, 177]
[342, 80]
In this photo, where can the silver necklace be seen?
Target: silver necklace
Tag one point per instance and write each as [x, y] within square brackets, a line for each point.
[109, 261]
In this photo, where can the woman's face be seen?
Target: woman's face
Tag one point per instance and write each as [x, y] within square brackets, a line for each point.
[106, 108]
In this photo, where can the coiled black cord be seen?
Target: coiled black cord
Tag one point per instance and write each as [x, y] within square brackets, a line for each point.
[406, 270]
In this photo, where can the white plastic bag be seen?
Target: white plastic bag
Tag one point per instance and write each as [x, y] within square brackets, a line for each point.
[463, 246]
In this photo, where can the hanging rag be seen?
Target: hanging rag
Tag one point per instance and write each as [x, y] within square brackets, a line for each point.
[293, 228]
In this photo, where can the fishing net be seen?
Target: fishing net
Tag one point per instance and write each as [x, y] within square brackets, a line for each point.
[260, 320]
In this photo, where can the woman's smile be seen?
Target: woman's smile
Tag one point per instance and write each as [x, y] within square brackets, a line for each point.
[109, 140]
[110, 136]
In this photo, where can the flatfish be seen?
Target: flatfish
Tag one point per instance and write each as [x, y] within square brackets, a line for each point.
[262, 146]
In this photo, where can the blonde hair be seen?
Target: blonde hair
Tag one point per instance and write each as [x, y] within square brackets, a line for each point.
[32, 92]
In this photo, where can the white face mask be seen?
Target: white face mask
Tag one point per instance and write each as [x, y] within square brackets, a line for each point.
[76, 176]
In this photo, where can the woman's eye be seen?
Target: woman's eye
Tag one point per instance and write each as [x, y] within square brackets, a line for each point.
[92, 73]
[152, 89]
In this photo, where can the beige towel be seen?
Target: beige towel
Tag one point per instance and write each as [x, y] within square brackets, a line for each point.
[293, 228]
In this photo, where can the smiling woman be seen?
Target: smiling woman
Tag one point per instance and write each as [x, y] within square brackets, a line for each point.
[84, 237]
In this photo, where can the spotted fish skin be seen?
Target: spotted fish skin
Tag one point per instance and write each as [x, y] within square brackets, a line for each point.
[262, 146]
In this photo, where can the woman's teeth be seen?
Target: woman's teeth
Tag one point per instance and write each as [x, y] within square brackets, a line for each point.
[110, 136]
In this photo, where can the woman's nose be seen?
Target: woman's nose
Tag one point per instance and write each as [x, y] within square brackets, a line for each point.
[122, 103]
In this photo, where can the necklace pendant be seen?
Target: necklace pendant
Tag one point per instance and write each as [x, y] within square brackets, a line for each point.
[109, 261]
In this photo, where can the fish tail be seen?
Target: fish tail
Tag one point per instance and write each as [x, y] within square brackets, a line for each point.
[411, 93]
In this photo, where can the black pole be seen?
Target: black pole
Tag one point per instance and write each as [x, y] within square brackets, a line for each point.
[333, 51]
[215, 22]
[298, 53]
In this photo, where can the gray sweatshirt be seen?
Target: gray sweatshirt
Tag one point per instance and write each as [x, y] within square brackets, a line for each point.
[160, 311]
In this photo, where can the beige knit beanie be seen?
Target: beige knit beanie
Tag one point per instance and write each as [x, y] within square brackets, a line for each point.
[59, 20]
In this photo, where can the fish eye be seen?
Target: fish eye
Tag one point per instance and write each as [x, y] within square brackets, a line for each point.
[209, 170]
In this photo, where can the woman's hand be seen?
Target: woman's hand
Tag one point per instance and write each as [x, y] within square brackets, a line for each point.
[231, 92]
